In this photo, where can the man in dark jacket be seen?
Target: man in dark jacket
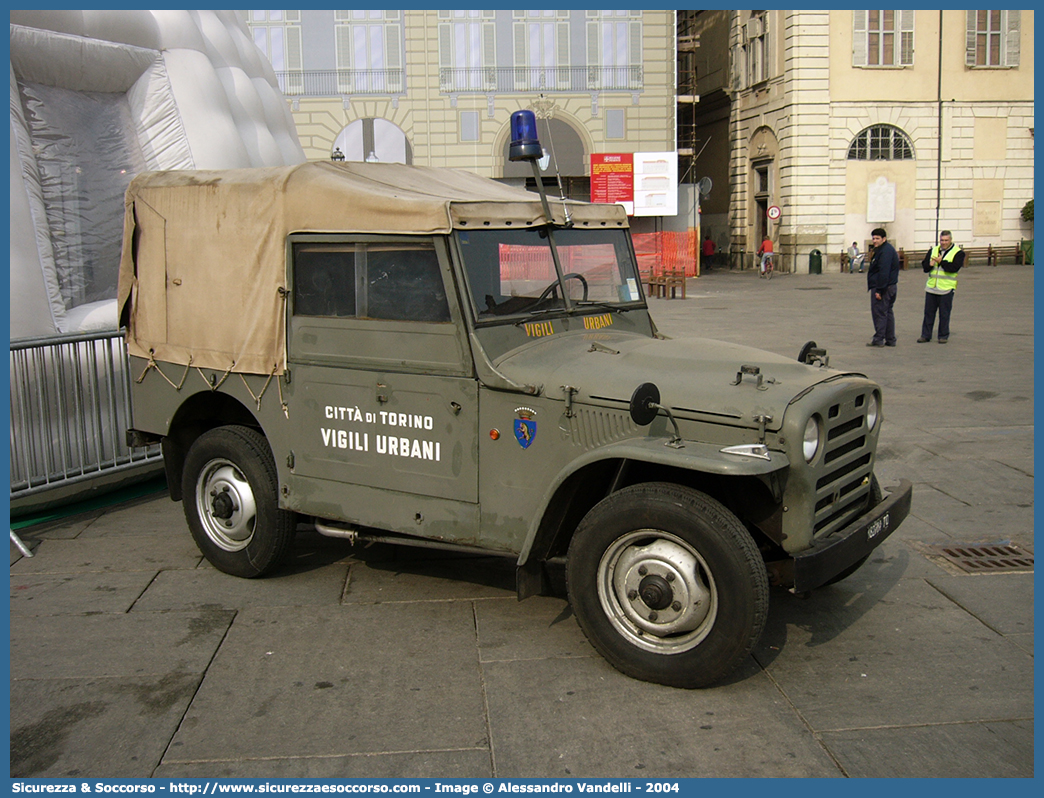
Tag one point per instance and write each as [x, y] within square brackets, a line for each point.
[882, 280]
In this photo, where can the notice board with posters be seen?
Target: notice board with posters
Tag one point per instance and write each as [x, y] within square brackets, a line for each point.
[656, 184]
[612, 179]
[645, 183]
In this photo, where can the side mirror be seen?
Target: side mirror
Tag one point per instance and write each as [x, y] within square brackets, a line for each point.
[811, 354]
[644, 403]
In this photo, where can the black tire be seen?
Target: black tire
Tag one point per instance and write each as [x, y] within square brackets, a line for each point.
[698, 607]
[876, 495]
[231, 504]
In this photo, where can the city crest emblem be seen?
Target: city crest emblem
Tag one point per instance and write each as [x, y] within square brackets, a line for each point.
[525, 427]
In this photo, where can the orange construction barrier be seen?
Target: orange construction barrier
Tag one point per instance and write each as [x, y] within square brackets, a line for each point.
[667, 251]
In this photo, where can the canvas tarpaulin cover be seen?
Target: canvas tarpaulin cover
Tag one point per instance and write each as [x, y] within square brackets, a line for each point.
[203, 266]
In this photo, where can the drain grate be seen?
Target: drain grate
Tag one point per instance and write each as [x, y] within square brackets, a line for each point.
[984, 558]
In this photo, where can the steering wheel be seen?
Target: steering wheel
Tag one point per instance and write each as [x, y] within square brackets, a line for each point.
[553, 288]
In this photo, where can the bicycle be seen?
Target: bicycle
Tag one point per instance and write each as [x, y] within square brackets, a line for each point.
[766, 266]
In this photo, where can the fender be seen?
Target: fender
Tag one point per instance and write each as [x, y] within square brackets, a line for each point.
[703, 457]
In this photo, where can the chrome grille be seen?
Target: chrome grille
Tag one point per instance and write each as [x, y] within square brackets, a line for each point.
[843, 474]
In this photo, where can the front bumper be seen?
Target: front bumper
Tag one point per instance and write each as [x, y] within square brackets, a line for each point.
[832, 554]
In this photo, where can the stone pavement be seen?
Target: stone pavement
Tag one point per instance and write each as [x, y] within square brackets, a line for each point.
[132, 657]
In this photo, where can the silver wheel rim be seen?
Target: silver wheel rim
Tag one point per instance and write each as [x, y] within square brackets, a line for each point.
[657, 591]
[226, 506]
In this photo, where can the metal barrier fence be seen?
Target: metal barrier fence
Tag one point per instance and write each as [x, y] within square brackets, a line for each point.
[70, 408]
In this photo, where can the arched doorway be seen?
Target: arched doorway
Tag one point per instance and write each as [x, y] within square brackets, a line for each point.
[563, 147]
[374, 139]
[557, 137]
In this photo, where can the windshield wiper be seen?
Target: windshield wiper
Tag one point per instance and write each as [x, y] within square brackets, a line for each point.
[590, 303]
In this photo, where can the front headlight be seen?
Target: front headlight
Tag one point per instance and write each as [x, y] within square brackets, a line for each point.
[871, 412]
[810, 444]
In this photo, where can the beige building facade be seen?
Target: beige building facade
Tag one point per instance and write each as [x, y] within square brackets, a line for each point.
[437, 88]
[914, 121]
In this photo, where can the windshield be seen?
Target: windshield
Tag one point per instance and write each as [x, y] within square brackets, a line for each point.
[511, 272]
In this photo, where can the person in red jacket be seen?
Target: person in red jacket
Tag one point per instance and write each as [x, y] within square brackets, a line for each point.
[708, 247]
[765, 252]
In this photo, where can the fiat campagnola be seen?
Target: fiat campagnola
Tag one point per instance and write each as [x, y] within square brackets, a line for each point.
[423, 356]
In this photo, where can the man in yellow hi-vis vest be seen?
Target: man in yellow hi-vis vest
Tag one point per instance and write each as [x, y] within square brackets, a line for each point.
[942, 263]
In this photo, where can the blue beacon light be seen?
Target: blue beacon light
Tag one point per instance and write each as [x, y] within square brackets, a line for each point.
[525, 146]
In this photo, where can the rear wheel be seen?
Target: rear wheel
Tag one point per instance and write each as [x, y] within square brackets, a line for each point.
[667, 585]
[231, 505]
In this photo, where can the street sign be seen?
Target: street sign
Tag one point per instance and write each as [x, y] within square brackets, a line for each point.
[774, 212]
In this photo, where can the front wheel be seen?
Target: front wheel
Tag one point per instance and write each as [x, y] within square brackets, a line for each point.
[667, 585]
[231, 504]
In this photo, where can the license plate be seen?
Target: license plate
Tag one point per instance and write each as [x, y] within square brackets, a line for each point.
[877, 527]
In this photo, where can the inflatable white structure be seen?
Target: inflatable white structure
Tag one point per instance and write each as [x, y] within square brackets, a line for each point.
[97, 97]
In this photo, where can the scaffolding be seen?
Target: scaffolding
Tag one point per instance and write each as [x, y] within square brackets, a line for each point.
[688, 97]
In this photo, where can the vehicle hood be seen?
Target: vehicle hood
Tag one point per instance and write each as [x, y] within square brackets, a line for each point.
[696, 377]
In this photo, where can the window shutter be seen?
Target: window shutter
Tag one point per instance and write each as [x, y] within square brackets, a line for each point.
[392, 49]
[634, 54]
[520, 44]
[860, 21]
[1013, 35]
[768, 69]
[562, 45]
[593, 58]
[344, 46]
[906, 38]
[445, 45]
[293, 48]
[739, 65]
[293, 16]
[489, 44]
[969, 39]
[341, 15]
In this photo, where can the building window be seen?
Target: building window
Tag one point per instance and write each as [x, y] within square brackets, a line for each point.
[277, 34]
[755, 36]
[541, 50]
[467, 51]
[883, 38]
[469, 126]
[993, 38]
[615, 124]
[881, 143]
[369, 52]
[614, 49]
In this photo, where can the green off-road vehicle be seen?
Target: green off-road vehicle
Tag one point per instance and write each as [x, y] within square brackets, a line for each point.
[423, 357]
